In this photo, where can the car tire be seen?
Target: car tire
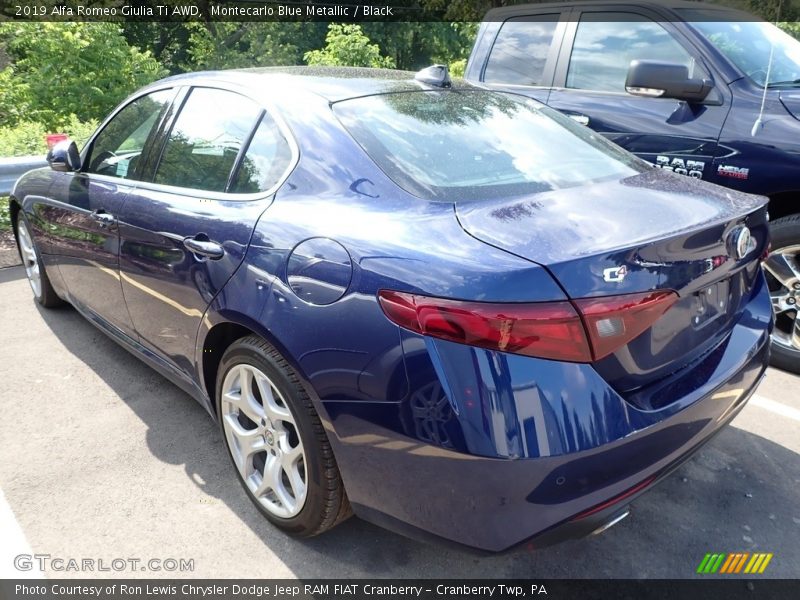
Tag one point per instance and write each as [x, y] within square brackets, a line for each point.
[43, 291]
[782, 268]
[265, 416]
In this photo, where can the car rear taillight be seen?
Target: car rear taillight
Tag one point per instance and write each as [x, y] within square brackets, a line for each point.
[545, 329]
[579, 331]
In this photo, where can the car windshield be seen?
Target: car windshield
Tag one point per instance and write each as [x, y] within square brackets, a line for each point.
[748, 44]
[465, 145]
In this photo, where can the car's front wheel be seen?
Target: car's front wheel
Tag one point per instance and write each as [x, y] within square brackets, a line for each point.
[782, 268]
[276, 440]
[43, 290]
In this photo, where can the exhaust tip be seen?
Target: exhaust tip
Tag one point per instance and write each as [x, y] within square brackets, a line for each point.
[611, 522]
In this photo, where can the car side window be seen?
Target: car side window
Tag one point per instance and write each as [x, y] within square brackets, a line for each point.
[520, 51]
[117, 149]
[206, 138]
[265, 161]
[606, 43]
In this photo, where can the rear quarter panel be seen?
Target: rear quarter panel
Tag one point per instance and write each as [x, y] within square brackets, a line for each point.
[347, 349]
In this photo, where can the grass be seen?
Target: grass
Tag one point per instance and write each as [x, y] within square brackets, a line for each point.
[5, 216]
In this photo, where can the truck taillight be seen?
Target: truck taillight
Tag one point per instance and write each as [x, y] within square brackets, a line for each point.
[579, 331]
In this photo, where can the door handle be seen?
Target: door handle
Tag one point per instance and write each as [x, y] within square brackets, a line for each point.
[582, 119]
[204, 247]
[102, 218]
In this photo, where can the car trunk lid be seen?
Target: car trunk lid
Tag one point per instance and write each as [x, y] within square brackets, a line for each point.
[652, 231]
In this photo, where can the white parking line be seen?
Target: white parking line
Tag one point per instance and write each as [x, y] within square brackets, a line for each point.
[776, 407]
[14, 544]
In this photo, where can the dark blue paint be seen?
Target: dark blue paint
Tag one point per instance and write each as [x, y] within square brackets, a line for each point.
[319, 271]
[155, 264]
[434, 438]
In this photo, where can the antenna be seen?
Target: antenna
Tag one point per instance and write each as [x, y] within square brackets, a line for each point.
[759, 121]
[435, 75]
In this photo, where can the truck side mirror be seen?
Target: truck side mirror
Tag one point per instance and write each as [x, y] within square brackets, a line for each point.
[64, 156]
[658, 79]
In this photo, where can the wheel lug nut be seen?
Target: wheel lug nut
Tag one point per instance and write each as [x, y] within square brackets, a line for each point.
[790, 301]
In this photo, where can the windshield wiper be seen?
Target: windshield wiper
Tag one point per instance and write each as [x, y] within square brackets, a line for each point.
[783, 83]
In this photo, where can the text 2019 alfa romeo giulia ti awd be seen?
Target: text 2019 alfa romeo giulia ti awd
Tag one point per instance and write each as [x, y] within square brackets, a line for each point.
[451, 311]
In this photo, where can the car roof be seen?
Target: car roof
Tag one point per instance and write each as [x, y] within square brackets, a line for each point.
[331, 83]
[502, 13]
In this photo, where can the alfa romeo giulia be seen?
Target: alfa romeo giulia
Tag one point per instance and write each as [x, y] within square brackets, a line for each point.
[454, 312]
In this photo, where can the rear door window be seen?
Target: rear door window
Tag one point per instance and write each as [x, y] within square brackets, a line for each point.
[206, 140]
[520, 51]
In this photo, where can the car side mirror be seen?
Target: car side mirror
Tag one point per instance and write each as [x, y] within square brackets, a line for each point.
[64, 156]
[658, 79]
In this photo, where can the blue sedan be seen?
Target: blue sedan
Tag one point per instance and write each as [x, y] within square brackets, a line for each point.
[450, 311]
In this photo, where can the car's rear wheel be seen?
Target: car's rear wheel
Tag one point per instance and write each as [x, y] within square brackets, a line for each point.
[42, 289]
[782, 268]
[276, 440]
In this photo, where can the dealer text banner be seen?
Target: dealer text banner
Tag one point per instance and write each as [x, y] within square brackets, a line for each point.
[388, 589]
[265, 10]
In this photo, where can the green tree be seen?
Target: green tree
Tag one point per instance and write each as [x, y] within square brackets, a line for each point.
[792, 28]
[417, 45]
[168, 42]
[60, 69]
[347, 46]
[27, 137]
[466, 10]
[226, 45]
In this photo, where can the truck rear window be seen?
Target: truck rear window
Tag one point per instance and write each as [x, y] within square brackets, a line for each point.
[466, 145]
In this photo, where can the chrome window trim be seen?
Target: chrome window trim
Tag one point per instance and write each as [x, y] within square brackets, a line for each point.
[268, 106]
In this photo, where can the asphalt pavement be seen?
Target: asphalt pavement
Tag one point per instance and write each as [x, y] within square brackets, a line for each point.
[103, 459]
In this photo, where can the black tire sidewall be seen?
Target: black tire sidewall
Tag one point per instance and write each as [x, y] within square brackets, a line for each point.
[311, 515]
[785, 232]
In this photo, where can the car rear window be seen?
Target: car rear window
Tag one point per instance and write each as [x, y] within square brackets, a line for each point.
[468, 145]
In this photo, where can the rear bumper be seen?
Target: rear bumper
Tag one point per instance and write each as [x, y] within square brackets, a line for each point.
[522, 447]
[598, 518]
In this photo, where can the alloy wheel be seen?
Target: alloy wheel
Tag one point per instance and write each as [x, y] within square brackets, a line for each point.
[29, 259]
[262, 435]
[783, 275]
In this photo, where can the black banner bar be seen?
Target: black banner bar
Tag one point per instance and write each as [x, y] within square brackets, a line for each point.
[324, 10]
[733, 588]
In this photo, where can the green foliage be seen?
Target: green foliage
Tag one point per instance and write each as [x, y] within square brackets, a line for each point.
[464, 10]
[183, 47]
[769, 10]
[79, 131]
[27, 138]
[64, 76]
[347, 46]
[5, 215]
[457, 67]
[417, 45]
[792, 28]
[222, 45]
[24, 139]
[60, 69]
[168, 42]
[13, 97]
